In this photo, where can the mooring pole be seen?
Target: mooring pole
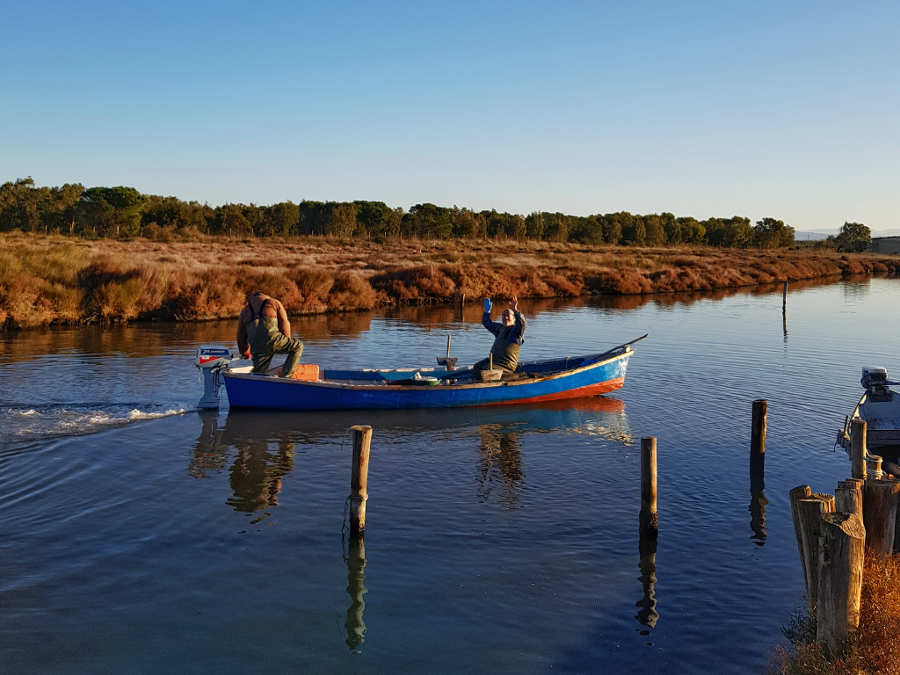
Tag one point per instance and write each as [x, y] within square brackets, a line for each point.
[858, 448]
[359, 478]
[758, 444]
[649, 520]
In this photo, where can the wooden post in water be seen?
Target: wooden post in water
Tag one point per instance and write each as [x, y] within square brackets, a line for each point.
[784, 308]
[758, 499]
[359, 478]
[758, 443]
[649, 520]
[810, 511]
[858, 448]
[880, 514]
[840, 578]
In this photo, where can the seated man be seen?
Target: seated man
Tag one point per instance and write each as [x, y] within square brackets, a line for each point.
[263, 331]
[510, 334]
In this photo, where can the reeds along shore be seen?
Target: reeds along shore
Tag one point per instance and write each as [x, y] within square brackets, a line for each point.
[49, 280]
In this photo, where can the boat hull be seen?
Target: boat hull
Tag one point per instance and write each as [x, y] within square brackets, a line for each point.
[255, 391]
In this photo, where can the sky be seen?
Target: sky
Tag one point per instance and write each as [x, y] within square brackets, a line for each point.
[788, 110]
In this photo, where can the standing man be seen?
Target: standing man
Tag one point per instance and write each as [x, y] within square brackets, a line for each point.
[263, 331]
[509, 336]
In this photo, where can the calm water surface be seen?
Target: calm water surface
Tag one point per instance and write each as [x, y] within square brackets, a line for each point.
[140, 535]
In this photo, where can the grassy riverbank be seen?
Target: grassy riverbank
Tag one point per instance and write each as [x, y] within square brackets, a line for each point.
[48, 279]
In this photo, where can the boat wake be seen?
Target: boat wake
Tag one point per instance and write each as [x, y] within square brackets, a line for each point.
[32, 423]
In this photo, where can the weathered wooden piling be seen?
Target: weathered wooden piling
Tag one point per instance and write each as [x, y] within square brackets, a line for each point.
[840, 575]
[784, 309]
[359, 478]
[810, 511]
[848, 497]
[880, 499]
[858, 448]
[798, 493]
[649, 520]
[758, 442]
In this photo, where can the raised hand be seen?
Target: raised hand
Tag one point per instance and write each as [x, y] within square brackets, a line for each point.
[487, 305]
[514, 303]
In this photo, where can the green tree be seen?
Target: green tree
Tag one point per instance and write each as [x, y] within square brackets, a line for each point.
[372, 219]
[656, 233]
[431, 222]
[111, 211]
[772, 233]
[534, 225]
[853, 237]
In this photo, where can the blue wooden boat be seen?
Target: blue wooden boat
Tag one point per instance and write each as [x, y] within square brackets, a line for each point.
[533, 382]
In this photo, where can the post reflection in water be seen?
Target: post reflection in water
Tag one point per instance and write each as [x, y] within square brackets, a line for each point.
[647, 614]
[758, 503]
[356, 576]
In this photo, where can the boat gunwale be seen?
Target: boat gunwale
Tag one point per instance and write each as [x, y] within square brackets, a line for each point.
[387, 386]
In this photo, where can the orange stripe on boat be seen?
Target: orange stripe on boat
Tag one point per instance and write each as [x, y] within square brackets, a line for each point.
[580, 392]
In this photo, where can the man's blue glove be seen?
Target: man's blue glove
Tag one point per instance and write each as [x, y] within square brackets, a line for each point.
[487, 305]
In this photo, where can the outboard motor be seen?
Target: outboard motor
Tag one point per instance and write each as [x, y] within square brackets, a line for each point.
[212, 360]
[873, 377]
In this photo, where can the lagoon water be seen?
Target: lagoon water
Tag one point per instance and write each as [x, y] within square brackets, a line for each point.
[138, 534]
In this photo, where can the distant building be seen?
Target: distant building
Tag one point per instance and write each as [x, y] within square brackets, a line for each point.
[886, 244]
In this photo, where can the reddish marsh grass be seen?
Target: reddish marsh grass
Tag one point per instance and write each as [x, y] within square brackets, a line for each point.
[873, 649]
[47, 279]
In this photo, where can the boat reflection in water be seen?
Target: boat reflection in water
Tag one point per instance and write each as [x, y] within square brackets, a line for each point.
[263, 445]
[264, 440]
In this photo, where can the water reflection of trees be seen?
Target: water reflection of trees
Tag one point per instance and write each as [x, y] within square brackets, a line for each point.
[154, 339]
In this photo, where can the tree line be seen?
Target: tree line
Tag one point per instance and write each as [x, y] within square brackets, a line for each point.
[123, 212]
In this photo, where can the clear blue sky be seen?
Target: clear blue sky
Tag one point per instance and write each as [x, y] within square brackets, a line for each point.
[782, 109]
